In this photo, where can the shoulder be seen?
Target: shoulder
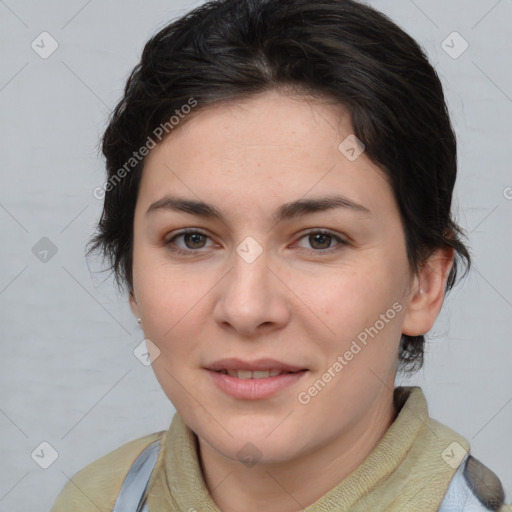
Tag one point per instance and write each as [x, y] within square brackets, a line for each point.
[474, 487]
[96, 486]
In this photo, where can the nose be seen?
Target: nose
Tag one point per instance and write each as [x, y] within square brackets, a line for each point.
[253, 297]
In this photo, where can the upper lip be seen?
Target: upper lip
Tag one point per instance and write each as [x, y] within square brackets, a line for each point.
[258, 364]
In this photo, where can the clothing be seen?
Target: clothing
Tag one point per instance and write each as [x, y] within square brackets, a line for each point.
[419, 465]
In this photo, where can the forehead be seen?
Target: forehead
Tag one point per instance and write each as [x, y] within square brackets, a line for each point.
[271, 148]
[272, 118]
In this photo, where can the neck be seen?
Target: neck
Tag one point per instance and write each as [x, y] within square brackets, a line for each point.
[293, 485]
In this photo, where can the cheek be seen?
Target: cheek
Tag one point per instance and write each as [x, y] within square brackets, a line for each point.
[359, 297]
[363, 310]
[167, 296]
[172, 311]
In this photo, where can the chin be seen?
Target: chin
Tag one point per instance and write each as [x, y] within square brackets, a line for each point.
[258, 451]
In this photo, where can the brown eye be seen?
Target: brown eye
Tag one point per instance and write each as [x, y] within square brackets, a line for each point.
[192, 241]
[321, 241]
[196, 240]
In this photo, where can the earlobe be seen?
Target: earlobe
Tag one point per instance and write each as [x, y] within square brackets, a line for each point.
[427, 293]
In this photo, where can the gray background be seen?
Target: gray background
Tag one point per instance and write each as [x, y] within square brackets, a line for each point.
[68, 373]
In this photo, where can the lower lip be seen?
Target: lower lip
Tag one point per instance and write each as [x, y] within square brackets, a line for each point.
[254, 389]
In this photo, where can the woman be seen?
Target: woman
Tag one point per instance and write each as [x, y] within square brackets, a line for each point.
[280, 177]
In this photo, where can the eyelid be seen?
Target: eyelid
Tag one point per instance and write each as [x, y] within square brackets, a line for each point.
[184, 231]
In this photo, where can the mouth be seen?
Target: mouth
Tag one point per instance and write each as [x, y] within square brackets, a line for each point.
[254, 380]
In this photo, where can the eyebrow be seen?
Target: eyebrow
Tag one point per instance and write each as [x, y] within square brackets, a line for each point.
[286, 211]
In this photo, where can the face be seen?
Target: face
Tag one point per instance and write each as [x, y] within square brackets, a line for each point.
[321, 290]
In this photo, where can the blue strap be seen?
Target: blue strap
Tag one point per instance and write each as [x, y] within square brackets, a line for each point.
[132, 494]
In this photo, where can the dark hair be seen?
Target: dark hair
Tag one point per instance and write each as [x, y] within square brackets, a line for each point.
[339, 50]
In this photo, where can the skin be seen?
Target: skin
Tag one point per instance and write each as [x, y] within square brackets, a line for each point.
[297, 302]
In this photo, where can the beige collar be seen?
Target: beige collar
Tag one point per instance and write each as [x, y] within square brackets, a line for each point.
[406, 471]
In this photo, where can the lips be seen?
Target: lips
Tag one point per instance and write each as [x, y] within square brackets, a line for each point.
[254, 380]
[258, 369]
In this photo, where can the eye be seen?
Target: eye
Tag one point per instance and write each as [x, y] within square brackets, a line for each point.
[321, 240]
[192, 238]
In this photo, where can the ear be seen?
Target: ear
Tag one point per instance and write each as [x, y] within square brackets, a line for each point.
[133, 304]
[427, 292]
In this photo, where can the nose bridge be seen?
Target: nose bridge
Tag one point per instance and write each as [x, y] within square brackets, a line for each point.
[250, 270]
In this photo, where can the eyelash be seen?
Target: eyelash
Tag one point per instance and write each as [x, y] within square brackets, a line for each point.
[341, 242]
